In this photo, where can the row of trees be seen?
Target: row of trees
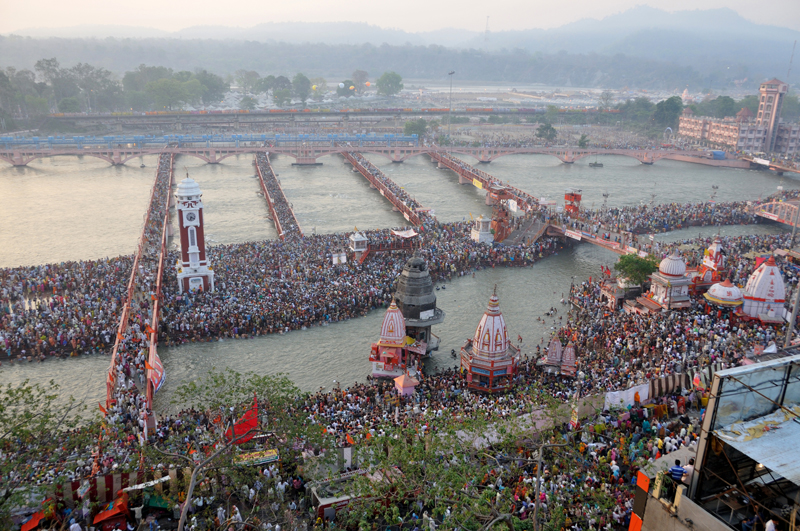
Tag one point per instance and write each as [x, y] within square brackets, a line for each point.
[51, 87]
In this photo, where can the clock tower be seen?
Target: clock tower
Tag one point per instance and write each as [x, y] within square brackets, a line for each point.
[194, 273]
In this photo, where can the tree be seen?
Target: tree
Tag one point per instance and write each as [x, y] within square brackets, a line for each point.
[360, 78]
[214, 87]
[144, 75]
[301, 87]
[389, 84]
[33, 420]
[247, 79]
[725, 106]
[551, 113]
[36, 106]
[415, 127]
[69, 105]
[281, 83]
[635, 269]
[605, 101]
[248, 103]
[167, 92]
[282, 97]
[668, 112]
[546, 131]
[322, 87]
[345, 90]
[583, 141]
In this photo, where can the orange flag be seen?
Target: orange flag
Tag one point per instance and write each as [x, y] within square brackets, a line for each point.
[350, 439]
[102, 408]
[148, 366]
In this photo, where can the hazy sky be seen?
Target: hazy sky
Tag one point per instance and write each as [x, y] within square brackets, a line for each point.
[409, 15]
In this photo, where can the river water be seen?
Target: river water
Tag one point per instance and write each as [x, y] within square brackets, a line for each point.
[66, 209]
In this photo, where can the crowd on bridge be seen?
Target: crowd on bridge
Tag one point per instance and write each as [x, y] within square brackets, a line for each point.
[280, 205]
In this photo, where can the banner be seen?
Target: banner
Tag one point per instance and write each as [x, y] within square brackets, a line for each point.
[409, 233]
[248, 422]
[156, 375]
[574, 235]
[512, 205]
[477, 184]
[624, 398]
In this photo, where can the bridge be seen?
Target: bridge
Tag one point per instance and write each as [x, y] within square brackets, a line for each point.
[310, 152]
[280, 209]
[781, 211]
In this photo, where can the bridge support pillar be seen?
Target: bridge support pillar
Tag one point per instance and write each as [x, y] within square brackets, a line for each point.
[463, 180]
[306, 161]
[17, 159]
[116, 158]
[490, 200]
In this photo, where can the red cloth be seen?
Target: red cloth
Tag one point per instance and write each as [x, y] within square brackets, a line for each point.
[247, 423]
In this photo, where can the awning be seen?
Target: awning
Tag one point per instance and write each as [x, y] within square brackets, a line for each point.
[410, 233]
[141, 486]
[769, 447]
[115, 508]
[33, 522]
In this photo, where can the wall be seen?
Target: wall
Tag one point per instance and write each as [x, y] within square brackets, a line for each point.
[659, 517]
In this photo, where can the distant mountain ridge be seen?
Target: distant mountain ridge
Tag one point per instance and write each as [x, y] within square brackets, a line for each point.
[718, 45]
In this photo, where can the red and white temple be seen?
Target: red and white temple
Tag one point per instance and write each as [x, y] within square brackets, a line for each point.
[193, 270]
[765, 293]
[395, 353]
[489, 359]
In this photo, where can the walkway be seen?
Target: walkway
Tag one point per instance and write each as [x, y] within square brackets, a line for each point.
[279, 207]
[400, 200]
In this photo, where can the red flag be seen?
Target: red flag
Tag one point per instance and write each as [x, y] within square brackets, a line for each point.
[148, 366]
[102, 408]
[350, 439]
[248, 422]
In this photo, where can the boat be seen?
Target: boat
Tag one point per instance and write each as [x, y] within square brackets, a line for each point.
[595, 164]
[141, 166]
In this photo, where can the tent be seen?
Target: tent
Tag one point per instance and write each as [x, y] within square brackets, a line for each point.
[114, 513]
[34, 521]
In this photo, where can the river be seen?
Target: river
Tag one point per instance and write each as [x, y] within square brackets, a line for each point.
[66, 209]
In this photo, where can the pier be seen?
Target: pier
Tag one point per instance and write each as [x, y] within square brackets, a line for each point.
[137, 334]
[400, 200]
[279, 207]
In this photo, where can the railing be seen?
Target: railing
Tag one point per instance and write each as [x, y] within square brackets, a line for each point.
[276, 216]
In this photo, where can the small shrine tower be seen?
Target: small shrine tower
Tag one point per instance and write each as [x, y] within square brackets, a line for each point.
[713, 263]
[669, 286]
[194, 272]
[765, 293]
[482, 230]
[417, 302]
[394, 354]
[489, 359]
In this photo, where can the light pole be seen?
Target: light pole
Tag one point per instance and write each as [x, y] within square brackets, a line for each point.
[450, 109]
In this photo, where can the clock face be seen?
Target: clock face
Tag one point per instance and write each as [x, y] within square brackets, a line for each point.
[191, 216]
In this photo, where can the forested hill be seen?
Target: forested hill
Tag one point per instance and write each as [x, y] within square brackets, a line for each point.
[333, 61]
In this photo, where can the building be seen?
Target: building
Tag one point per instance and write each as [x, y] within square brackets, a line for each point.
[669, 286]
[193, 270]
[417, 301]
[482, 230]
[395, 354]
[763, 132]
[746, 460]
[765, 293]
[489, 359]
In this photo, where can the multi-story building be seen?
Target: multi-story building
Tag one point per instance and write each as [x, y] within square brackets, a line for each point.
[745, 132]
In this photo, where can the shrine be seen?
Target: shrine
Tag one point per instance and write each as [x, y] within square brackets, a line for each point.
[669, 286]
[395, 354]
[193, 270]
[417, 302]
[489, 360]
[765, 294]
[482, 230]
[724, 294]
[711, 270]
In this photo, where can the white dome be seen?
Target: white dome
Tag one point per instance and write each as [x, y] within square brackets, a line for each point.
[188, 188]
[724, 293]
[672, 266]
[491, 336]
[393, 329]
[766, 283]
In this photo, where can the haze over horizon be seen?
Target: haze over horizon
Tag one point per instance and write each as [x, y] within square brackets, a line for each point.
[413, 16]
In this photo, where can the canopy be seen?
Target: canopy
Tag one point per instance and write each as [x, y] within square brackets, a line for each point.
[115, 508]
[33, 522]
[141, 486]
[410, 233]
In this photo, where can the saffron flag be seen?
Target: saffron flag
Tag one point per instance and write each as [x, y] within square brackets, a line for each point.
[148, 366]
[350, 439]
[247, 423]
[102, 408]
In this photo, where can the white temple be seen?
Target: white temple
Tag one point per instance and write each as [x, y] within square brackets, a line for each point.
[724, 293]
[669, 286]
[765, 294]
[394, 354]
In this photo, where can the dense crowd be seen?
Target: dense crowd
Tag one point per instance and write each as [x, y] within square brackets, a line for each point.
[283, 210]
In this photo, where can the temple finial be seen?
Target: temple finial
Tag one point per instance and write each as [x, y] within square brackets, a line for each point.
[495, 290]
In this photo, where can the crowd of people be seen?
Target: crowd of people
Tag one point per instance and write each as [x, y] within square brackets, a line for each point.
[282, 208]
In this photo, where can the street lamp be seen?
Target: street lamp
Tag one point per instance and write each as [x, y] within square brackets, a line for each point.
[450, 110]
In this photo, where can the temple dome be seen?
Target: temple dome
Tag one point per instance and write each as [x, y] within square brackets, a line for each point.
[415, 288]
[188, 188]
[724, 294]
[491, 336]
[393, 329]
[672, 266]
[766, 283]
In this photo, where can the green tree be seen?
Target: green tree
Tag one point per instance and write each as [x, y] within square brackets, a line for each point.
[725, 106]
[33, 419]
[301, 87]
[668, 111]
[248, 103]
[345, 90]
[69, 105]
[583, 141]
[551, 113]
[264, 85]
[281, 83]
[415, 127]
[605, 101]
[749, 102]
[547, 131]
[389, 84]
[247, 79]
[282, 97]
[36, 106]
[144, 75]
[635, 268]
[214, 87]
[167, 93]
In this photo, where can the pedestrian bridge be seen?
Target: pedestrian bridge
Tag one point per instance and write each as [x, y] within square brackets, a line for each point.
[309, 152]
[780, 211]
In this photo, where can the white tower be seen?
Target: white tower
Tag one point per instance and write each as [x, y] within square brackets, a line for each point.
[194, 273]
